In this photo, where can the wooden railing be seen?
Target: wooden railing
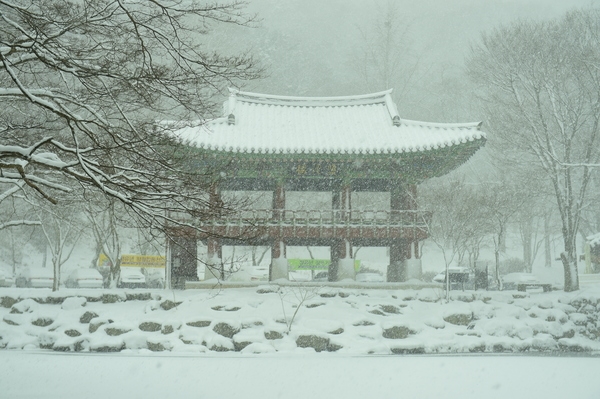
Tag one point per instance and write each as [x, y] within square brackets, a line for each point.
[325, 218]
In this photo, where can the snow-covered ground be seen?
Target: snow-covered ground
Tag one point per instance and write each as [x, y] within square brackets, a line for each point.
[50, 375]
[297, 341]
[299, 319]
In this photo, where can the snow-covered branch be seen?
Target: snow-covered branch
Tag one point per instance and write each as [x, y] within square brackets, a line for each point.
[83, 82]
[22, 222]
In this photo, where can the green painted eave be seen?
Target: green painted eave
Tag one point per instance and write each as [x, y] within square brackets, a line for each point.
[411, 167]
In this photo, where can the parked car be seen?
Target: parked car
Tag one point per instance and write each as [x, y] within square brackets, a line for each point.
[321, 277]
[457, 274]
[35, 277]
[259, 273]
[84, 278]
[131, 278]
[460, 278]
[155, 278]
[6, 279]
[299, 275]
[512, 281]
[369, 277]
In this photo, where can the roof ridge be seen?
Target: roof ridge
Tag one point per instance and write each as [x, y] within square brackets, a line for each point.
[360, 99]
[442, 125]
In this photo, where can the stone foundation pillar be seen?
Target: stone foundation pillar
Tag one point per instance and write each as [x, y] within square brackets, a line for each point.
[279, 265]
[414, 267]
[342, 263]
[213, 267]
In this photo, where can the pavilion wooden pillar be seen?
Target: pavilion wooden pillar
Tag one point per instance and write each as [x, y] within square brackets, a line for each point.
[413, 261]
[409, 202]
[342, 263]
[183, 258]
[213, 267]
[278, 200]
[400, 249]
[402, 198]
[279, 266]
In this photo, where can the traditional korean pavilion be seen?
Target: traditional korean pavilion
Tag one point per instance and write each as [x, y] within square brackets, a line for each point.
[340, 145]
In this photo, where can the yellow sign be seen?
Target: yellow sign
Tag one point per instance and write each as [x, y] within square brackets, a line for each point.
[147, 261]
[103, 261]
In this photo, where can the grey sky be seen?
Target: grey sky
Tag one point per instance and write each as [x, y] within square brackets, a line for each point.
[444, 26]
[312, 47]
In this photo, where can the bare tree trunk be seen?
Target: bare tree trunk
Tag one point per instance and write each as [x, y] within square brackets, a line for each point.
[547, 248]
[13, 254]
[569, 260]
[45, 257]
[553, 96]
[497, 250]
[571, 277]
[526, 236]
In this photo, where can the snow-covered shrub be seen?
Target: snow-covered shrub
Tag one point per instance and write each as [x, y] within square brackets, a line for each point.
[73, 303]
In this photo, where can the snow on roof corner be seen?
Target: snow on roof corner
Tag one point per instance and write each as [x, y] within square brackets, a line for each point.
[392, 108]
[229, 104]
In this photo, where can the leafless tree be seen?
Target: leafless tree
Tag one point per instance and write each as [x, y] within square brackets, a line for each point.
[11, 212]
[385, 56]
[459, 223]
[104, 219]
[82, 83]
[500, 200]
[62, 228]
[540, 83]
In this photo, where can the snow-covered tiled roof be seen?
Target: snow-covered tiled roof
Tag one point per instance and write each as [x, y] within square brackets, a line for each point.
[260, 123]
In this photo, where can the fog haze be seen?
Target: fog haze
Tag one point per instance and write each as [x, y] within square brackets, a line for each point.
[313, 47]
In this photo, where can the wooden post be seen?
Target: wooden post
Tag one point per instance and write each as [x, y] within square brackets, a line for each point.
[214, 199]
[402, 198]
[278, 201]
[398, 254]
[183, 257]
[278, 268]
[278, 249]
[341, 249]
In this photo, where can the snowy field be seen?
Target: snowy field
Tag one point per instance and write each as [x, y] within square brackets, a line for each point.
[48, 375]
[506, 345]
[298, 319]
[274, 341]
